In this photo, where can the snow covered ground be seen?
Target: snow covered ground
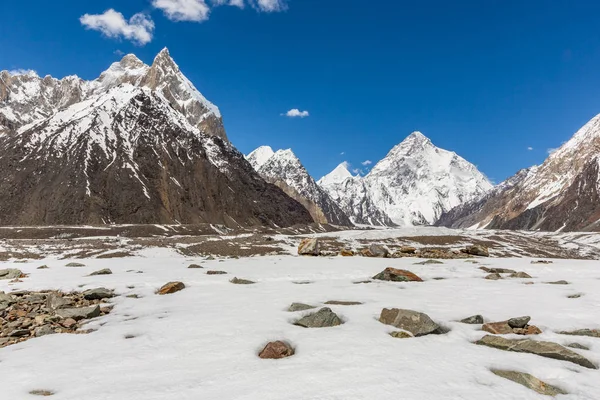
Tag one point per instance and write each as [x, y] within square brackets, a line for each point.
[202, 342]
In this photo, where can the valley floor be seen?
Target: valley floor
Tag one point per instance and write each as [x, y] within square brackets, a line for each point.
[202, 342]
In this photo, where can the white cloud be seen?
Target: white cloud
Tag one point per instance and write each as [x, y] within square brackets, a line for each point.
[346, 164]
[530, 148]
[269, 5]
[20, 71]
[183, 10]
[295, 113]
[234, 3]
[119, 53]
[342, 153]
[367, 162]
[112, 24]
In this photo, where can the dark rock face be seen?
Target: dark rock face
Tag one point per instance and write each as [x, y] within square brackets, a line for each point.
[144, 165]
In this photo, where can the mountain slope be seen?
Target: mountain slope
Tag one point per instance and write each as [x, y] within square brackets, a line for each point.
[560, 194]
[285, 170]
[126, 154]
[27, 98]
[353, 197]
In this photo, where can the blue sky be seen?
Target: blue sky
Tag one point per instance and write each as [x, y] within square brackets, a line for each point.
[487, 79]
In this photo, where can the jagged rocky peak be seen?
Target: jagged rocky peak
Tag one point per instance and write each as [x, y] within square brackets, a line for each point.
[260, 156]
[27, 98]
[285, 170]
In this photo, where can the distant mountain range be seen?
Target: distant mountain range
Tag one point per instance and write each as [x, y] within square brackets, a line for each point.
[140, 144]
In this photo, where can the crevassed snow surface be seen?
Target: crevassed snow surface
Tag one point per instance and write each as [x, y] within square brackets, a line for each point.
[202, 342]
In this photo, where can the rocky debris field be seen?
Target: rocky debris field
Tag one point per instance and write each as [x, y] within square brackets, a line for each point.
[214, 326]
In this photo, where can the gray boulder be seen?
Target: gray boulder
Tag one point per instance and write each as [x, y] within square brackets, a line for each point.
[378, 250]
[98, 294]
[55, 302]
[104, 271]
[530, 382]
[324, 318]
[43, 331]
[309, 247]
[519, 322]
[10, 273]
[583, 332]
[79, 313]
[419, 324]
[542, 349]
[477, 250]
[300, 307]
[473, 320]
[75, 265]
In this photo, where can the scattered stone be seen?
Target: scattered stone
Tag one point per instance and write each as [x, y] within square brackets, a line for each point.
[44, 330]
[342, 303]
[519, 322]
[473, 320]
[75, 265]
[129, 336]
[408, 250]
[577, 346]
[69, 323]
[530, 382]
[104, 271]
[477, 250]
[429, 262]
[542, 349]
[521, 275]
[43, 267]
[583, 332]
[397, 275]
[11, 273]
[419, 324]
[347, 253]
[498, 270]
[237, 281]
[401, 334]
[493, 277]
[323, 318]
[79, 313]
[575, 296]
[309, 247]
[378, 250]
[195, 266]
[55, 302]
[41, 393]
[216, 273]
[542, 262]
[300, 307]
[210, 258]
[562, 282]
[171, 287]
[19, 333]
[528, 330]
[133, 296]
[361, 282]
[98, 294]
[497, 328]
[276, 350]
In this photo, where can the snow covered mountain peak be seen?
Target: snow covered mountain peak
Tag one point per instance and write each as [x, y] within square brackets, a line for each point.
[260, 156]
[338, 175]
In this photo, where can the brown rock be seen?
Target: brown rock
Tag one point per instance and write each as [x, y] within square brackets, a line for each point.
[528, 330]
[69, 323]
[408, 250]
[276, 350]
[216, 273]
[171, 287]
[493, 277]
[343, 303]
[347, 253]
[397, 275]
[497, 328]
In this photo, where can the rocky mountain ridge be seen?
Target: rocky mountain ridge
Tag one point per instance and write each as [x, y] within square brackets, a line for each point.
[285, 170]
[138, 145]
[562, 194]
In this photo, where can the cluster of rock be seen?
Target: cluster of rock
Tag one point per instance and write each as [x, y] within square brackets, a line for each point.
[495, 274]
[518, 326]
[310, 247]
[25, 315]
[12, 274]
